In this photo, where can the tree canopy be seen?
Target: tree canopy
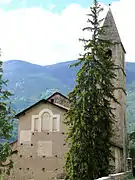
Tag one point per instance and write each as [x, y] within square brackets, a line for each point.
[6, 117]
[90, 116]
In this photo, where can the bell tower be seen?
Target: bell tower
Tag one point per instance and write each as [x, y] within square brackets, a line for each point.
[119, 128]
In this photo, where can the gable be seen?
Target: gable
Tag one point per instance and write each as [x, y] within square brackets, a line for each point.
[43, 101]
[42, 117]
[59, 99]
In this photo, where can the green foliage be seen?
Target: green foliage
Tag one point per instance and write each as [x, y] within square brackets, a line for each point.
[132, 153]
[131, 142]
[6, 115]
[90, 116]
[130, 110]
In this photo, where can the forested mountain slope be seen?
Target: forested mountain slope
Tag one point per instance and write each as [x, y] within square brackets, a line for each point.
[30, 82]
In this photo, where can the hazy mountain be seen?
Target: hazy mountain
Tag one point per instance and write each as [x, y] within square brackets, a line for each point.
[31, 82]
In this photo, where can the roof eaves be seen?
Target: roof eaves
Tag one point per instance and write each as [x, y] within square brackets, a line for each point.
[42, 100]
[56, 94]
[23, 112]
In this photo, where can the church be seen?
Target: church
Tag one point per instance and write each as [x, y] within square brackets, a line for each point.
[41, 131]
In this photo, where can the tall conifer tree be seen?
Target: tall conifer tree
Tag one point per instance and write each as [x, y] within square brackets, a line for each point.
[6, 116]
[90, 116]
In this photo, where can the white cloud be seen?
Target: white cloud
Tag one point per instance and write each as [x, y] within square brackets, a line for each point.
[43, 37]
[40, 36]
[124, 14]
[5, 1]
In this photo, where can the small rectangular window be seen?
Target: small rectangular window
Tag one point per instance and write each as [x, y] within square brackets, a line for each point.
[56, 123]
[36, 124]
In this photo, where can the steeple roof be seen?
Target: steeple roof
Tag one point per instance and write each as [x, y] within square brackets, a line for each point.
[111, 31]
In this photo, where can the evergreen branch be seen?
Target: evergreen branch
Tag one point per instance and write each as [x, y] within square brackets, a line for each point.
[90, 117]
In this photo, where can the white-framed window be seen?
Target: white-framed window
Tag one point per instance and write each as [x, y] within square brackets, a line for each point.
[36, 124]
[46, 122]
[56, 123]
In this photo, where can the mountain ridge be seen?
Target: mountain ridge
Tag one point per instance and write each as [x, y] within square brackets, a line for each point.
[31, 82]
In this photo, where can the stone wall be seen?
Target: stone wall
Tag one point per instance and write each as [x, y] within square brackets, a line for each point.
[119, 126]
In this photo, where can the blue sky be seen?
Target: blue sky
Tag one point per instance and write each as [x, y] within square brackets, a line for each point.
[59, 4]
[47, 31]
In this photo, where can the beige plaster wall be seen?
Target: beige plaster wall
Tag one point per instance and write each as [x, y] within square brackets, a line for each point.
[31, 161]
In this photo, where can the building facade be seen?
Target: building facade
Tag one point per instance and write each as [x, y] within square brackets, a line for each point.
[41, 146]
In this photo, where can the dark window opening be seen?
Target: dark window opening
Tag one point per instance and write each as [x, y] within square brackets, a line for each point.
[109, 53]
[134, 171]
[52, 100]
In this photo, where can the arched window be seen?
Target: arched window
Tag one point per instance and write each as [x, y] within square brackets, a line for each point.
[46, 122]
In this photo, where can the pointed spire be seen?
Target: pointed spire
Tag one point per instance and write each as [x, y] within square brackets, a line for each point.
[111, 31]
